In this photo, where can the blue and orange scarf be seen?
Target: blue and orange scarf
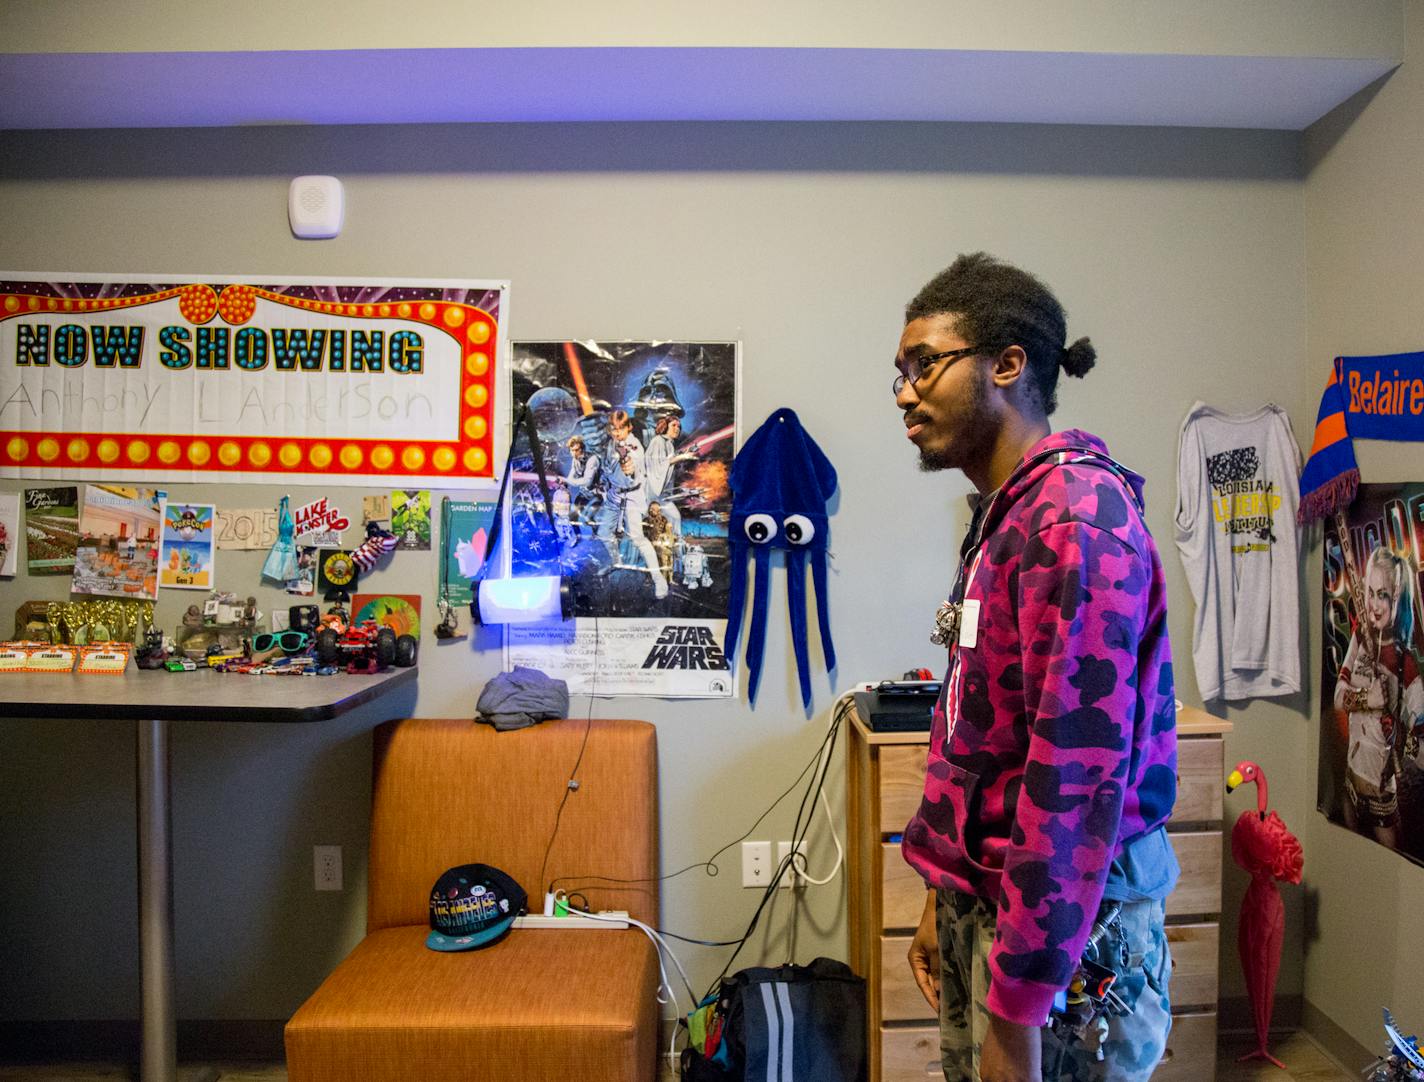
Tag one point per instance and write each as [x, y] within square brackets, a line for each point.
[1372, 398]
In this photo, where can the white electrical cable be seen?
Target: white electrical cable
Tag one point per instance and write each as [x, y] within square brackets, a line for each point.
[840, 853]
[652, 934]
[660, 946]
[798, 861]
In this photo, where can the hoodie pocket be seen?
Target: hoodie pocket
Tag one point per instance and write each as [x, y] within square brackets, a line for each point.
[947, 823]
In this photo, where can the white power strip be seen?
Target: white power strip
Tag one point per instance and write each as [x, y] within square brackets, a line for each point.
[613, 919]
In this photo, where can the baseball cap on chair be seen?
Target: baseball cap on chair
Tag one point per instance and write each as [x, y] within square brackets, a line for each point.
[472, 906]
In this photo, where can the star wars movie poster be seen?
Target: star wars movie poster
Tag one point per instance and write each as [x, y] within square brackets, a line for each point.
[1372, 698]
[636, 441]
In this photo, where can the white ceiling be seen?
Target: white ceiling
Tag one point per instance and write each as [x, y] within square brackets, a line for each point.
[399, 86]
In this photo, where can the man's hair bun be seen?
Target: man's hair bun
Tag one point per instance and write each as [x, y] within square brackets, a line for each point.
[1079, 358]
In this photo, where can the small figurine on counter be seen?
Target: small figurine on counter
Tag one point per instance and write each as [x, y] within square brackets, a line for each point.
[152, 653]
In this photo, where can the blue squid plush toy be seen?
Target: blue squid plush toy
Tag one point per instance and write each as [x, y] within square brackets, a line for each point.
[780, 483]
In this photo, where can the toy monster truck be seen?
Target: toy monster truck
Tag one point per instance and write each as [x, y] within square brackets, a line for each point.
[365, 648]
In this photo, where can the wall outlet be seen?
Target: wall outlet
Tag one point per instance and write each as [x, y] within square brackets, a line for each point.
[326, 865]
[793, 871]
[756, 864]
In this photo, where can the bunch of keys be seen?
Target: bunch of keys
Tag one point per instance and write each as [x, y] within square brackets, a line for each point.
[448, 628]
[1081, 1011]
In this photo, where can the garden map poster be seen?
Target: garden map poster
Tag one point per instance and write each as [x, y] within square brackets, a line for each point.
[637, 440]
[1372, 696]
[51, 529]
[161, 378]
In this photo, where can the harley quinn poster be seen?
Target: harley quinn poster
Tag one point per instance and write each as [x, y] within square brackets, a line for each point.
[1372, 694]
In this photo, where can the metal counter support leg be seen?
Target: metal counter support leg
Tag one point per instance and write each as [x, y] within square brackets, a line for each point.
[155, 906]
[159, 1055]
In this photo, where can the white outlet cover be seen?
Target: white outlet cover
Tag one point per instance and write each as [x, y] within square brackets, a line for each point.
[316, 207]
[326, 867]
[756, 864]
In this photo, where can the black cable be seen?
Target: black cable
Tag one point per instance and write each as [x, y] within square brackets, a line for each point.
[772, 887]
[798, 832]
[825, 751]
[572, 783]
[712, 870]
[699, 942]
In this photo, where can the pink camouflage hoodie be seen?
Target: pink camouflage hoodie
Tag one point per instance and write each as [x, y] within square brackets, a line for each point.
[1054, 744]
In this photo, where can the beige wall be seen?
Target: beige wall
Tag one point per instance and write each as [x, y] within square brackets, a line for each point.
[1180, 252]
[1365, 277]
[1302, 28]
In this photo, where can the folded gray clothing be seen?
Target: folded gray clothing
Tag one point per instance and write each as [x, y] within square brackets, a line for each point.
[519, 699]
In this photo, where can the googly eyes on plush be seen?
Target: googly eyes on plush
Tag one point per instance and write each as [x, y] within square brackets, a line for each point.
[760, 529]
[799, 529]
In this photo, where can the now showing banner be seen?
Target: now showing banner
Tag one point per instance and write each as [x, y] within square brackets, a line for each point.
[182, 379]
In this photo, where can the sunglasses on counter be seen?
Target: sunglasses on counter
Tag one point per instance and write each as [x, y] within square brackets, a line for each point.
[288, 641]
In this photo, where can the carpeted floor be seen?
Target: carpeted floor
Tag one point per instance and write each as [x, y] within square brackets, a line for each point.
[1305, 1061]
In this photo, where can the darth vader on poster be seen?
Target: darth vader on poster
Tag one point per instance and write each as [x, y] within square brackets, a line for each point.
[636, 441]
[1372, 694]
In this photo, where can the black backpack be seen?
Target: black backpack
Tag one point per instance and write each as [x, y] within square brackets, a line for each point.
[787, 1024]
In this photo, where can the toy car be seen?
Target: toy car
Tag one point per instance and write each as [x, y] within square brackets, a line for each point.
[180, 664]
[366, 647]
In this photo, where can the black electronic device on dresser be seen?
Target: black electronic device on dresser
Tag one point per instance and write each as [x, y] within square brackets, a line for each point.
[898, 706]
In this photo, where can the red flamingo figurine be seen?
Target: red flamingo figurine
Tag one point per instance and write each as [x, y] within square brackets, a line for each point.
[1262, 845]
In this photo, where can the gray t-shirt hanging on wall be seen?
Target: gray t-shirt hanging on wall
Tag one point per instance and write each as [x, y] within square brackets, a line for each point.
[1238, 485]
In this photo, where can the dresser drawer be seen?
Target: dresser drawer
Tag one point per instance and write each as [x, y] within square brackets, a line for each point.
[1199, 889]
[910, 1055]
[900, 997]
[1191, 1049]
[1201, 779]
[902, 783]
[902, 891]
[1194, 956]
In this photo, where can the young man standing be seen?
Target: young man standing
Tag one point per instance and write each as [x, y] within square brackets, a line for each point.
[1052, 759]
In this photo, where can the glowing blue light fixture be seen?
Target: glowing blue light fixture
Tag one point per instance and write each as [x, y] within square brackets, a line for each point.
[523, 600]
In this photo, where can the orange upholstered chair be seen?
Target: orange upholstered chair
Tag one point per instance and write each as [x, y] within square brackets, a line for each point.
[541, 1005]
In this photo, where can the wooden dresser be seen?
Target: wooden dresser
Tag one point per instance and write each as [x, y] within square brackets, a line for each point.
[885, 780]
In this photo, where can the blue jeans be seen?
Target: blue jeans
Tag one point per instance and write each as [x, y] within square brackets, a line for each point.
[1135, 948]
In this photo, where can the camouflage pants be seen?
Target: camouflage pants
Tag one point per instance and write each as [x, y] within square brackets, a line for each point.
[1135, 1042]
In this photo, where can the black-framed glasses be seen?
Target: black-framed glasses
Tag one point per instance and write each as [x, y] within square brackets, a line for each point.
[912, 369]
[288, 641]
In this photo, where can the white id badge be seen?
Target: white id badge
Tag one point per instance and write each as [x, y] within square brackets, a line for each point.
[969, 626]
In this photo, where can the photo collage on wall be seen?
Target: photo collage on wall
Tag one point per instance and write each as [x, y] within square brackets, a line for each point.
[1372, 693]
